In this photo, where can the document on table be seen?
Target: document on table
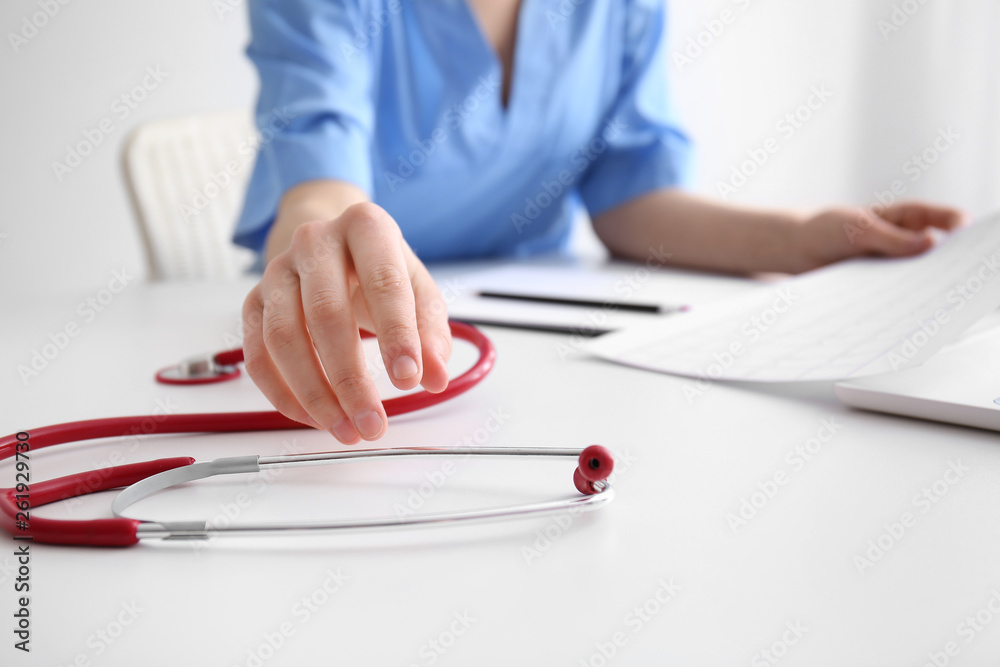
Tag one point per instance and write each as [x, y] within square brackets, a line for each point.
[856, 318]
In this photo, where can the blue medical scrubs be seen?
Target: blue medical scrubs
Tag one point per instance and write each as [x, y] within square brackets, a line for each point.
[403, 99]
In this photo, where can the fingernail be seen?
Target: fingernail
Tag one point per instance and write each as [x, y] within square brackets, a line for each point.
[404, 367]
[369, 423]
[344, 431]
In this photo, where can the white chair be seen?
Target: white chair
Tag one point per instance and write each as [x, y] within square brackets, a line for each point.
[186, 178]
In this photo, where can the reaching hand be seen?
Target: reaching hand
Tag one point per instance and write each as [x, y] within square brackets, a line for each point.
[301, 341]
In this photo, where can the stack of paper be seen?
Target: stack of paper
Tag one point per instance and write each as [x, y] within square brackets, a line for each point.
[856, 318]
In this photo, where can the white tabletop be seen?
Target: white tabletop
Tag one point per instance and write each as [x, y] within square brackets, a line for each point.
[664, 575]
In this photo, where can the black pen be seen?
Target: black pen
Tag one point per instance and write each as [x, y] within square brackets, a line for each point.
[649, 308]
[580, 330]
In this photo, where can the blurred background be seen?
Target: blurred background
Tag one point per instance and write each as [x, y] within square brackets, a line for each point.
[851, 97]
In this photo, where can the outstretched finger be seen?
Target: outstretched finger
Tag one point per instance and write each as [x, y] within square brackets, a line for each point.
[435, 333]
[290, 346]
[326, 306]
[886, 238]
[259, 366]
[376, 249]
[917, 216]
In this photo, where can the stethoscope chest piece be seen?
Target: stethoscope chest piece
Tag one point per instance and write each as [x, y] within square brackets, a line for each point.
[202, 369]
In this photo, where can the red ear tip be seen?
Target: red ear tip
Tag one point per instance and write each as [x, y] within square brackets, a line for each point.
[584, 486]
[596, 463]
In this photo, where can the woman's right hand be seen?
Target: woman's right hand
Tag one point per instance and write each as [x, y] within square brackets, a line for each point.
[301, 343]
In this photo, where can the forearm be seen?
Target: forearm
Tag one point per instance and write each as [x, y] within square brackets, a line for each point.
[313, 200]
[703, 234]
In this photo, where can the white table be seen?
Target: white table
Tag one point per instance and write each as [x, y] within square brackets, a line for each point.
[659, 577]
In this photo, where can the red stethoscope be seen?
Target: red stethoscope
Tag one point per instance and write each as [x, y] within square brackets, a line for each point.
[594, 465]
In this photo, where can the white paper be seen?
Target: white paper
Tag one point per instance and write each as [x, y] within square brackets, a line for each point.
[856, 318]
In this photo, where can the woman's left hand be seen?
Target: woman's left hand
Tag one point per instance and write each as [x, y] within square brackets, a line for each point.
[899, 230]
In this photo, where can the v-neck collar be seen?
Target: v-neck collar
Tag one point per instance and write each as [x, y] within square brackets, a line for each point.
[518, 78]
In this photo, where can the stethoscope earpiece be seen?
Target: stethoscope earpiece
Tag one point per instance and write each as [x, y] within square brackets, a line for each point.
[594, 467]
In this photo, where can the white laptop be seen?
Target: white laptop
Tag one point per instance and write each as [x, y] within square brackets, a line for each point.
[959, 385]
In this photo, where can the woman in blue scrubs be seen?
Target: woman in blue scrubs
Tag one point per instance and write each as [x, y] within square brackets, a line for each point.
[403, 131]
